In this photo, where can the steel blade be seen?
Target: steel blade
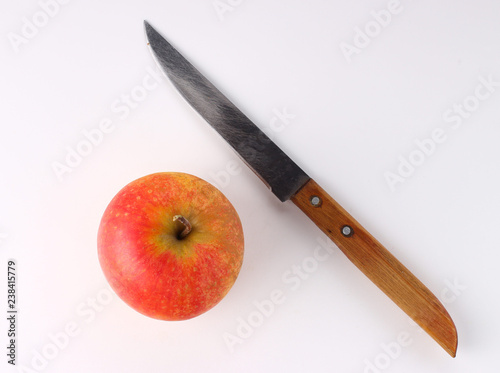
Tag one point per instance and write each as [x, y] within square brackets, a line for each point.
[262, 155]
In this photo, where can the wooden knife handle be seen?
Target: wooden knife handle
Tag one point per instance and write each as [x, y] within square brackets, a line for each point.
[378, 264]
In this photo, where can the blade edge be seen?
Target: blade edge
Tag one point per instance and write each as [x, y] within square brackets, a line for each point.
[278, 171]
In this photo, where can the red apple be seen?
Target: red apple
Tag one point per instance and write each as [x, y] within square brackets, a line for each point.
[170, 245]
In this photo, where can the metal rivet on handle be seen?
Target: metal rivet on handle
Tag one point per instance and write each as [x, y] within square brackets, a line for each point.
[315, 201]
[347, 231]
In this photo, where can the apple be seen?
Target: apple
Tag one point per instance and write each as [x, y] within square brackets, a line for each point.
[170, 245]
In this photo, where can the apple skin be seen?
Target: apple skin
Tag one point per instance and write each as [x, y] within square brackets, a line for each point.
[145, 262]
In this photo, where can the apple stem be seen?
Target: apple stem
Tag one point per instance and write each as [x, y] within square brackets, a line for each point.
[186, 224]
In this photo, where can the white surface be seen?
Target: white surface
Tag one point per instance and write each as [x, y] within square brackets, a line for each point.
[353, 120]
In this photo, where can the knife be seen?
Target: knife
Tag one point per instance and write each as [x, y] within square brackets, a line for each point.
[289, 182]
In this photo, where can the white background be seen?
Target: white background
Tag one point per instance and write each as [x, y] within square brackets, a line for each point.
[354, 117]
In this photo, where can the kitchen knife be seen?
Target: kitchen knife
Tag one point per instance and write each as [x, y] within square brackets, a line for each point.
[288, 182]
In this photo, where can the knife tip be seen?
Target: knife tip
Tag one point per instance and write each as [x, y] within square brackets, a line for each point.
[148, 29]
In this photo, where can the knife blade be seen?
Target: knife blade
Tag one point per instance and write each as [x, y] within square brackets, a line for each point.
[289, 182]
